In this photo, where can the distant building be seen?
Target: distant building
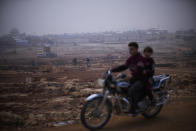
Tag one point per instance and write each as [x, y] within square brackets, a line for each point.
[45, 52]
[18, 40]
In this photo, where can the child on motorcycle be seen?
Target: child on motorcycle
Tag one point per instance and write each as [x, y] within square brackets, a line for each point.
[149, 70]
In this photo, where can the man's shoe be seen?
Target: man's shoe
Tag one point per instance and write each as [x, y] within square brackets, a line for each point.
[133, 114]
[153, 102]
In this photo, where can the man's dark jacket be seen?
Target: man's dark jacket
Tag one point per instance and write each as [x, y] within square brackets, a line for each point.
[136, 64]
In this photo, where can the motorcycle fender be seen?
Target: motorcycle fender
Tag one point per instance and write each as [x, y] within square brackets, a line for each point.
[93, 96]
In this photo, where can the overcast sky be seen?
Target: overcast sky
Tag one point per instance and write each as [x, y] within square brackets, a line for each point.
[71, 16]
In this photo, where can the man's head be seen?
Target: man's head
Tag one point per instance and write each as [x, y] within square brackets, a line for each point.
[133, 48]
[148, 51]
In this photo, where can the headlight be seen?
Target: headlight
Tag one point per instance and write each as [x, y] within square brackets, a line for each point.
[101, 82]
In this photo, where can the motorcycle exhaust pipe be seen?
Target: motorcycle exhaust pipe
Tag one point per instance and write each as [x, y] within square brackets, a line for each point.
[164, 101]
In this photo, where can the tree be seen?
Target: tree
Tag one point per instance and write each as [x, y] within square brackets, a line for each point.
[7, 40]
[14, 32]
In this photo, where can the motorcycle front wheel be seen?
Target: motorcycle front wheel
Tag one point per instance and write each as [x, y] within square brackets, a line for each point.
[92, 117]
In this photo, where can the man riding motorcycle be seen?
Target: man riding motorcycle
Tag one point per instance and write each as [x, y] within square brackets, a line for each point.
[123, 98]
[136, 63]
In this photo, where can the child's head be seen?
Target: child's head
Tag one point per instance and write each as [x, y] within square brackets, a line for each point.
[148, 51]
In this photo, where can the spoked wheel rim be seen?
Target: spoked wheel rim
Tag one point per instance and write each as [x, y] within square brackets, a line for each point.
[94, 115]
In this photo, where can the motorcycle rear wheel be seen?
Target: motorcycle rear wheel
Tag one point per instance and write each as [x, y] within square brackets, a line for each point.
[148, 115]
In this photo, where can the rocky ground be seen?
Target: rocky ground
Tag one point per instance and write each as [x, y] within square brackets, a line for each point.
[52, 91]
[175, 115]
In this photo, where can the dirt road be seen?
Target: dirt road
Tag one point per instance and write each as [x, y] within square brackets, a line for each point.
[178, 115]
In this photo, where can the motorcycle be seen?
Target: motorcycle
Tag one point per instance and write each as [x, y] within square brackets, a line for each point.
[98, 108]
